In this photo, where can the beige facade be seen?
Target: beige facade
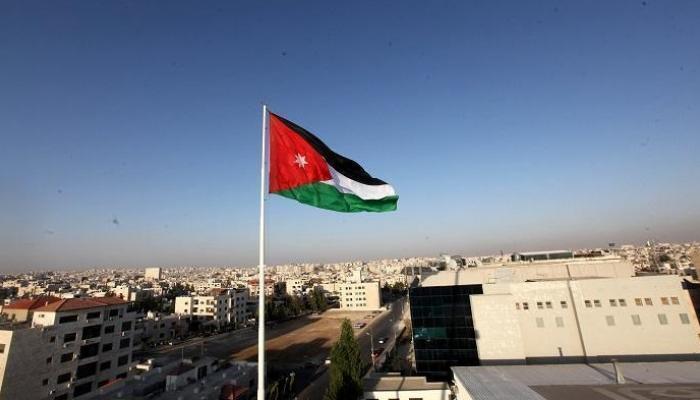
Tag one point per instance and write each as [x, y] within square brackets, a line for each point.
[360, 296]
[153, 274]
[587, 319]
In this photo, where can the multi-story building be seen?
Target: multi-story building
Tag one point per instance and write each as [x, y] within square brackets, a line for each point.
[360, 296]
[510, 317]
[162, 328]
[221, 307]
[71, 348]
[153, 274]
[295, 287]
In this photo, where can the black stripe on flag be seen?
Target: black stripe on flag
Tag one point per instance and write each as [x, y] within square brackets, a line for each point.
[344, 165]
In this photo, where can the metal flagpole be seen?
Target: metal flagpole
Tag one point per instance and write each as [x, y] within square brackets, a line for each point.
[261, 267]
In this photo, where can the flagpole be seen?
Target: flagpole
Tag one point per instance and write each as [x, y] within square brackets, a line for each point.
[261, 268]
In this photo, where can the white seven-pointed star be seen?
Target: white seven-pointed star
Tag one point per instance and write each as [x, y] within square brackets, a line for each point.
[300, 160]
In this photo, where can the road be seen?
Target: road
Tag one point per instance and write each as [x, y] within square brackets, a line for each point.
[300, 345]
[382, 326]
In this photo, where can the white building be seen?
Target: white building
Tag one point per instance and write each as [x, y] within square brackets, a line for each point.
[360, 296]
[71, 348]
[396, 387]
[586, 320]
[294, 287]
[221, 307]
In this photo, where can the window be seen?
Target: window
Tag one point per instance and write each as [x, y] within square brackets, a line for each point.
[539, 305]
[109, 329]
[105, 365]
[65, 357]
[684, 318]
[559, 321]
[664, 301]
[596, 303]
[89, 350]
[548, 304]
[613, 303]
[610, 320]
[623, 302]
[82, 389]
[122, 360]
[563, 304]
[539, 322]
[68, 318]
[126, 326]
[124, 343]
[106, 347]
[44, 382]
[636, 320]
[517, 306]
[86, 370]
[102, 383]
[113, 313]
[588, 303]
[638, 301]
[52, 339]
[63, 378]
[674, 300]
[94, 314]
[662, 319]
[48, 360]
[92, 331]
[648, 301]
[525, 306]
[69, 337]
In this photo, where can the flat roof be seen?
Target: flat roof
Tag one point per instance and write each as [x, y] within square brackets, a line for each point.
[391, 383]
[650, 380]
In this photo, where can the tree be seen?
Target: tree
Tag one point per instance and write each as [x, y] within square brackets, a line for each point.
[346, 366]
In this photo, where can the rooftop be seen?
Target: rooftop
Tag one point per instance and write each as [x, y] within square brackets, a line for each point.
[579, 381]
[393, 383]
[81, 304]
[31, 304]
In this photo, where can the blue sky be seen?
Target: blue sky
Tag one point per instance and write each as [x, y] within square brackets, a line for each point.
[129, 131]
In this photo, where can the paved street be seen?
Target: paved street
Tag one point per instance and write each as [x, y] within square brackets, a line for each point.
[382, 326]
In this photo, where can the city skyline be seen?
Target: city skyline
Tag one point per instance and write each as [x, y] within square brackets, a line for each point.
[131, 131]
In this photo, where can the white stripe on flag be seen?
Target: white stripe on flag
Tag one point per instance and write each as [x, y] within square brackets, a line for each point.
[365, 192]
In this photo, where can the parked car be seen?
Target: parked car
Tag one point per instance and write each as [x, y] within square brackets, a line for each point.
[383, 340]
[377, 351]
[359, 325]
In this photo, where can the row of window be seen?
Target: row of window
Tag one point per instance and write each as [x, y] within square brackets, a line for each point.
[89, 316]
[597, 303]
[86, 387]
[610, 320]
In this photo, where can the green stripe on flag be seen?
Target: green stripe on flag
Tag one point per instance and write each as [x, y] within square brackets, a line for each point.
[323, 195]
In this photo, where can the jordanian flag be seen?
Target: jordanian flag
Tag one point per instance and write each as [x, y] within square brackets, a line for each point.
[303, 168]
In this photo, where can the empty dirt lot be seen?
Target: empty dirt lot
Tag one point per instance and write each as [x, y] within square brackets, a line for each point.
[303, 340]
